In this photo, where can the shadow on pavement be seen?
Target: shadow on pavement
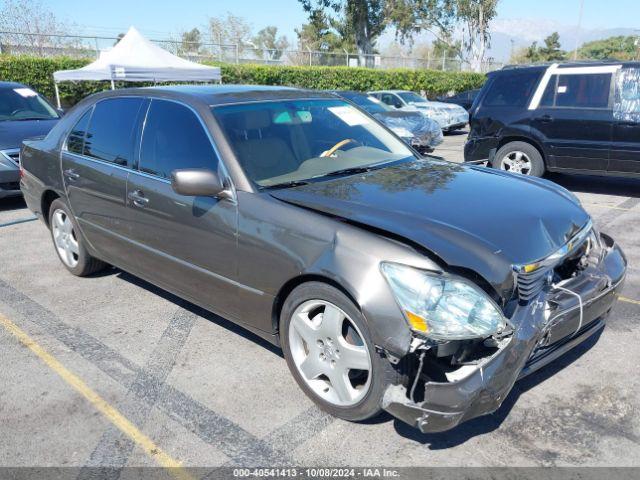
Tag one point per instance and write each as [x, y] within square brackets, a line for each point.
[12, 203]
[626, 187]
[212, 317]
[489, 423]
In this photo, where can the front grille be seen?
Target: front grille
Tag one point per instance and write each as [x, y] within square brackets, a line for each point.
[531, 284]
[564, 264]
[13, 155]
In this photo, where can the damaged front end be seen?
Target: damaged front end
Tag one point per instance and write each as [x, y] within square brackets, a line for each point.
[560, 302]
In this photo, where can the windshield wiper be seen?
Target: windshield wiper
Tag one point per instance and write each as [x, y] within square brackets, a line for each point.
[292, 183]
[351, 171]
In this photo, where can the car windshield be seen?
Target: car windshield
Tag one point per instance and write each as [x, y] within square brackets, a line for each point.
[22, 103]
[411, 97]
[284, 142]
[367, 102]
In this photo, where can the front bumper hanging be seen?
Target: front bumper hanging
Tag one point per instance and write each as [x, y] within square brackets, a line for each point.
[540, 336]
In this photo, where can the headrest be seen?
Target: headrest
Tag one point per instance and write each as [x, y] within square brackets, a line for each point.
[254, 120]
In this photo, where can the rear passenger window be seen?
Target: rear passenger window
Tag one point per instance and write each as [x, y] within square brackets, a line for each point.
[549, 96]
[626, 106]
[75, 140]
[112, 130]
[174, 138]
[583, 91]
[511, 89]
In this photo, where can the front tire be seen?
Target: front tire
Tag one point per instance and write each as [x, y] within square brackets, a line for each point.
[519, 157]
[328, 348]
[68, 242]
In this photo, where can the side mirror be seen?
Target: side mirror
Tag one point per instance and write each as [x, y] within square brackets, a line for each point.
[198, 182]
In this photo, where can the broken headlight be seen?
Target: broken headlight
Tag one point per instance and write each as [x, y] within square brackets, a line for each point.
[443, 307]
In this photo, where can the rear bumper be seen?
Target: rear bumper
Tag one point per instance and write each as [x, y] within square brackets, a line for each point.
[538, 339]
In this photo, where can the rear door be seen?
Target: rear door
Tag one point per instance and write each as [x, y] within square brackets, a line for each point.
[95, 164]
[185, 244]
[574, 119]
[625, 147]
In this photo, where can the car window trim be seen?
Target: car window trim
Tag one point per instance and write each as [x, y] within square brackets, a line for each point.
[221, 164]
[65, 146]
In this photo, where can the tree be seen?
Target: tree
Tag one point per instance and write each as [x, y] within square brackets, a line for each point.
[534, 53]
[441, 17]
[268, 39]
[619, 48]
[229, 29]
[363, 19]
[475, 16]
[30, 16]
[317, 35]
[191, 42]
[551, 50]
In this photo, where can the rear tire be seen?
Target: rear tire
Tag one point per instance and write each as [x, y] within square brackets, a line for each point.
[68, 242]
[361, 404]
[519, 157]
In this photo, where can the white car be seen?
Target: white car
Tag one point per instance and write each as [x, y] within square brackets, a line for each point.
[449, 116]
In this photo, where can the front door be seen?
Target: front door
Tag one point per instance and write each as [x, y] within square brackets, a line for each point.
[95, 164]
[574, 120]
[625, 148]
[185, 244]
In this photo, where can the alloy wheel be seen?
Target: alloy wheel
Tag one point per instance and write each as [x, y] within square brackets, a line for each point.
[516, 162]
[330, 353]
[65, 238]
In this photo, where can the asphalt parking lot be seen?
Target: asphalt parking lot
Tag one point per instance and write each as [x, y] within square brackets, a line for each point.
[112, 357]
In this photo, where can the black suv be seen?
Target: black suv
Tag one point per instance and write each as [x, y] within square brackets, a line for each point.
[570, 118]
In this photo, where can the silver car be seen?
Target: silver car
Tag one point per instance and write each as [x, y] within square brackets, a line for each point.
[449, 116]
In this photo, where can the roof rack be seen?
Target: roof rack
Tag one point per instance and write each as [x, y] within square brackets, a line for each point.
[572, 63]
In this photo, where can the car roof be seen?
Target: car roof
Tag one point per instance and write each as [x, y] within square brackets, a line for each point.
[574, 64]
[214, 95]
[391, 91]
[11, 85]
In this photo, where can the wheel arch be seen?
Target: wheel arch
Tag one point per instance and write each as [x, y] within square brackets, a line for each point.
[48, 196]
[291, 284]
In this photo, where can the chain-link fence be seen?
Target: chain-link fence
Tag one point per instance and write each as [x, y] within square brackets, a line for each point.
[75, 46]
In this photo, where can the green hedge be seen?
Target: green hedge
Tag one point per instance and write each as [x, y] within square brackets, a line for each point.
[38, 73]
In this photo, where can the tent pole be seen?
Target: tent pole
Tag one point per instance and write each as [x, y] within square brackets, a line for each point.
[55, 86]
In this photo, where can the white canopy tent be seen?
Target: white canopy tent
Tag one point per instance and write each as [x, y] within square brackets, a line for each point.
[136, 59]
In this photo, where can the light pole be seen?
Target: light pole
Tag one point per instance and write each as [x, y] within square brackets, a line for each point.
[575, 51]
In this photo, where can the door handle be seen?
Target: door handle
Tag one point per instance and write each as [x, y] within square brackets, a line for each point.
[544, 118]
[71, 174]
[138, 198]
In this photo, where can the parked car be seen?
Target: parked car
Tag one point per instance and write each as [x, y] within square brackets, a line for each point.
[450, 117]
[23, 114]
[464, 99]
[296, 215]
[570, 118]
[414, 128]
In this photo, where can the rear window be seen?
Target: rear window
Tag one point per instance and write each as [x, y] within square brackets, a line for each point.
[512, 89]
[112, 130]
[583, 91]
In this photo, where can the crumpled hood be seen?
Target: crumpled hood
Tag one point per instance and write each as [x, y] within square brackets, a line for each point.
[12, 133]
[470, 217]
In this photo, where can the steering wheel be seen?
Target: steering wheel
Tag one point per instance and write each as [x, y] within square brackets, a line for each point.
[17, 110]
[341, 143]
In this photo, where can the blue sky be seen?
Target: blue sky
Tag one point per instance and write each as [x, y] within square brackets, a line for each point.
[158, 18]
